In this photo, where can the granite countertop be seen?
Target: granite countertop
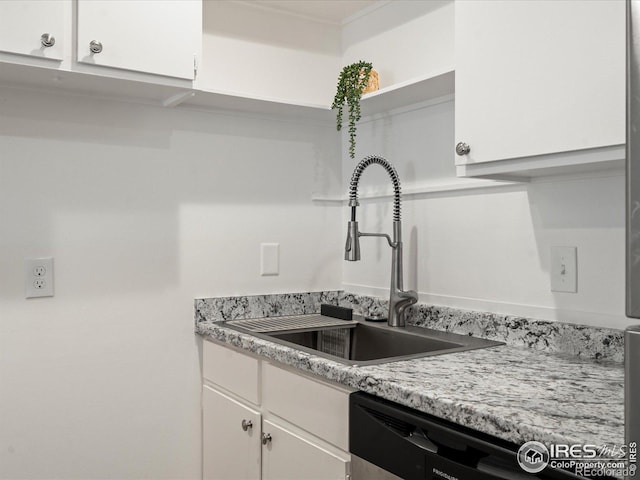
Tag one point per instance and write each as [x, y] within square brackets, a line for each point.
[512, 392]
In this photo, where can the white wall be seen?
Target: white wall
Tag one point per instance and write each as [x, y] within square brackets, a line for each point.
[143, 209]
[487, 249]
[403, 39]
[259, 53]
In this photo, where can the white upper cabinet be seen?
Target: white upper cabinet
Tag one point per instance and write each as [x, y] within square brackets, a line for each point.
[161, 37]
[33, 27]
[539, 84]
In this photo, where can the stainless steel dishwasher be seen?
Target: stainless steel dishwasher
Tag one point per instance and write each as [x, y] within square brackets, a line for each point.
[388, 441]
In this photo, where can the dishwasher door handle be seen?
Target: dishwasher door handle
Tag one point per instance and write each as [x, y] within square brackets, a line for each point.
[419, 439]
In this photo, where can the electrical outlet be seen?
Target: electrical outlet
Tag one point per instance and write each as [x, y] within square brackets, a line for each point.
[38, 277]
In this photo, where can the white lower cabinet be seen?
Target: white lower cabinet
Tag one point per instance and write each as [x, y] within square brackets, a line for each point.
[230, 438]
[262, 421]
[291, 456]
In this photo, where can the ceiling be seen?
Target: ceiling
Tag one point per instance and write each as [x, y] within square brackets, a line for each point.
[331, 11]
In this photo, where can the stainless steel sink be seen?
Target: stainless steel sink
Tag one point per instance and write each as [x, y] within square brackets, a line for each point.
[357, 342]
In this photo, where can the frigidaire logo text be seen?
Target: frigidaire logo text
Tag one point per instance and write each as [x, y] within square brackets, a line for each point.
[444, 475]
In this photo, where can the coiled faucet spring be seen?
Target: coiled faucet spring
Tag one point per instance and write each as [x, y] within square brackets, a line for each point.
[395, 180]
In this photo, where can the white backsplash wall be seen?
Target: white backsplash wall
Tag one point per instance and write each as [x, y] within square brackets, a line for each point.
[143, 209]
[489, 248]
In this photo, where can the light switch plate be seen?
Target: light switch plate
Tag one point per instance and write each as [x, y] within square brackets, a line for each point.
[269, 259]
[564, 269]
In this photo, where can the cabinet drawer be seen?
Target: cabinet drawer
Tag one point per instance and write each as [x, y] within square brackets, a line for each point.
[310, 404]
[231, 370]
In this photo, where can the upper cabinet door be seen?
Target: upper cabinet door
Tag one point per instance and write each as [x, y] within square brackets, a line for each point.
[160, 37]
[33, 27]
[538, 77]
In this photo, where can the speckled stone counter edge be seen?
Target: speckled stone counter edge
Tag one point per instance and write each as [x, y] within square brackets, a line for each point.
[552, 337]
[570, 412]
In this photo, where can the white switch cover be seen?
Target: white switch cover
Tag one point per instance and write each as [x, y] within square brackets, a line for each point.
[38, 274]
[564, 269]
[269, 259]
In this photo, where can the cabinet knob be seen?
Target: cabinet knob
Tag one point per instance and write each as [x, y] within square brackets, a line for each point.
[47, 40]
[246, 425]
[462, 148]
[266, 438]
[95, 46]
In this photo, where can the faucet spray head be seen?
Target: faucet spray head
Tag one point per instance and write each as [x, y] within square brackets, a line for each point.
[352, 246]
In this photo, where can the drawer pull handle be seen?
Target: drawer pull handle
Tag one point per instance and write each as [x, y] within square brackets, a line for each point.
[246, 425]
[95, 46]
[266, 438]
[47, 40]
[462, 148]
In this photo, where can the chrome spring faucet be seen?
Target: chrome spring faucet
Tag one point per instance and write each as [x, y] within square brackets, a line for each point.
[399, 299]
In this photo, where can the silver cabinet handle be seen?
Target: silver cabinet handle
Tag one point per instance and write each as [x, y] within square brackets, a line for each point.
[47, 40]
[462, 148]
[266, 438]
[246, 425]
[95, 46]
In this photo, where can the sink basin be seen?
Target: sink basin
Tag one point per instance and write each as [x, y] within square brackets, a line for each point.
[358, 342]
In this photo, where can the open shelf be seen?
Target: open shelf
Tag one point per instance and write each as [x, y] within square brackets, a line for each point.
[407, 93]
[384, 100]
[236, 102]
[150, 92]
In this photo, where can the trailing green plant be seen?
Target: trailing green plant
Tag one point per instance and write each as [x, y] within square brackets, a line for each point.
[351, 83]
